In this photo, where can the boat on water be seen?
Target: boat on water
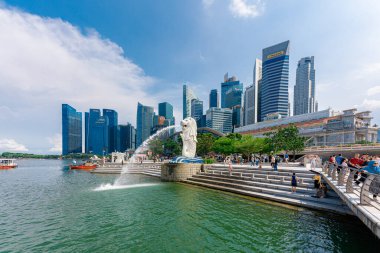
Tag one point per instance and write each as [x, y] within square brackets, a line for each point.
[85, 166]
[7, 164]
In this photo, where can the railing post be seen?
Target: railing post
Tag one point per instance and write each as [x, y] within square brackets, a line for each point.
[241, 174]
[334, 172]
[330, 169]
[325, 167]
[253, 176]
[364, 193]
[341, 176]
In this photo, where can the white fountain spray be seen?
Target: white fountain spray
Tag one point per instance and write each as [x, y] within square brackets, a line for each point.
[145, 146]
[121, 180]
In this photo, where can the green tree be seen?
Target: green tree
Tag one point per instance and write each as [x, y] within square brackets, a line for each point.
[287, 138]
[157, 147]
[205, 144]
[171, 147]
[234, 136]
[248, 145]
[225, 145]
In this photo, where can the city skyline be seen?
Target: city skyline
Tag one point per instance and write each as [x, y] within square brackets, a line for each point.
[77, 44]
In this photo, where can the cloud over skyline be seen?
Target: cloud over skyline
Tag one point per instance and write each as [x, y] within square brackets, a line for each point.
[48, 62]
[113, 58]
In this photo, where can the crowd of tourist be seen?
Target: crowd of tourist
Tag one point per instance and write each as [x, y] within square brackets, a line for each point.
[363, 165]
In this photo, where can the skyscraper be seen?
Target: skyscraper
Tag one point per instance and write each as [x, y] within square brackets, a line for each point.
[275, 80]
[219, 119]
[112, 129]
[144, 123]
[249, 105]
[304, 90]
[86, 124]
[231, 97]
[127, 137]
[99, 131]
[197, 110]
[71, 130]
[96, 133]
[165, 109]
[188, 95]
[251, 96]
[214, 98]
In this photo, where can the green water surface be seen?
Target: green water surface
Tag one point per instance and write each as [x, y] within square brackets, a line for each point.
[47, 208]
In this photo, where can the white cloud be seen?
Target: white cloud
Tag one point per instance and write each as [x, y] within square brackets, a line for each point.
[371, 104]
[56, 142]
[373, 91]
[46, 62]
[243, 9]
[10, 145]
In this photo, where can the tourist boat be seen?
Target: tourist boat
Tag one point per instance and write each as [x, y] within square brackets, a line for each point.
[85, 166]
[7, 164]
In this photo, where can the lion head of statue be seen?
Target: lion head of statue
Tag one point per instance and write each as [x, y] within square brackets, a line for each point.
[189, 136]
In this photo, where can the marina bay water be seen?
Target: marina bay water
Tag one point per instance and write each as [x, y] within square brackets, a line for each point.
[44, 207]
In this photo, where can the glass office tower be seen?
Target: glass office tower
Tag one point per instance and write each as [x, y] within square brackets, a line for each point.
[275, 80]
[71, 130]
[112, 129]
[214, 98]
[188, 95]
[304, 90]
[144, 123]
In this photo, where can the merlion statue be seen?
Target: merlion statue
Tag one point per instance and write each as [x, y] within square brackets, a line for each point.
[189, 137]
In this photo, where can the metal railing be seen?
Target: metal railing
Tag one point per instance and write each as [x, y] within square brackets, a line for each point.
[344, 178]
[346, 148]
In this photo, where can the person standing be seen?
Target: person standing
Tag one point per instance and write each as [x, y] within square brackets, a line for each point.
[317, 182]
[294, 182]
[275, 163]
[272, 161]
[230, 166]
[313, 162]
[286, 156]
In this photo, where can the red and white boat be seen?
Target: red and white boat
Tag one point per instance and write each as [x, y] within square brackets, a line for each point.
[85, 166]
[6, 164]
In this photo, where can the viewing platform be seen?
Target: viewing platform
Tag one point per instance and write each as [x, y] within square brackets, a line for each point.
[357, 198]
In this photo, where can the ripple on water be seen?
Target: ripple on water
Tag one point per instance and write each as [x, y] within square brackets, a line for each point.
[47, 209]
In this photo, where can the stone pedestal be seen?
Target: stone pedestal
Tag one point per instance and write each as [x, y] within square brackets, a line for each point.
[179, 171]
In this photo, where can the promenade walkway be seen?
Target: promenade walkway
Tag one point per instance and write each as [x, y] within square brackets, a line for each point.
[357, 198]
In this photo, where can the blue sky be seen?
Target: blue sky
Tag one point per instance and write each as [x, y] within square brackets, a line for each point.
[111, 54]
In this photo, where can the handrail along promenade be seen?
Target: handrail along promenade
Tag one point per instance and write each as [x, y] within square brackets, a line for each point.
[356, 197]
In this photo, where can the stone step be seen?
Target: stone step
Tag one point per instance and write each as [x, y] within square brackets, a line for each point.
[305, 202]
[308, 188]
[273, 191]
[265, 172]
[282, 169]
[307, 183]
[260, 175]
